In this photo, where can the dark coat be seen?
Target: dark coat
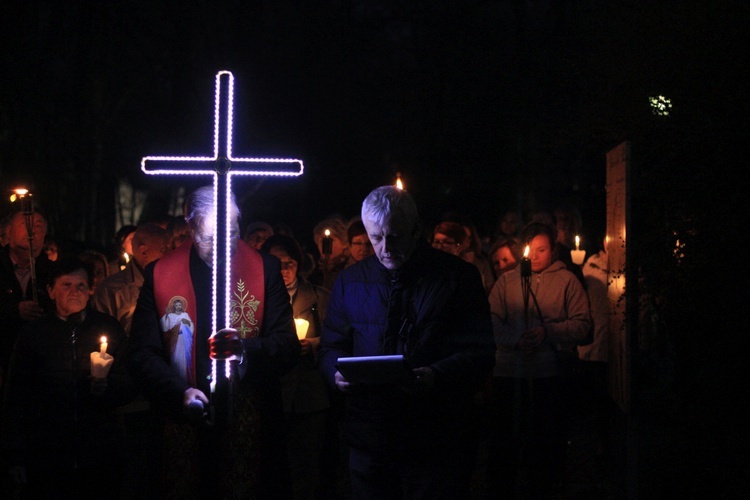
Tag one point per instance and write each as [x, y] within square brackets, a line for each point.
[303, 388]
[11, 295]
[433, 310]
[274, 351]
[51, 420]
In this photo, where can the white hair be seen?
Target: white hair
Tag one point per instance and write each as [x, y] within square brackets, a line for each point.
[200, 204]
[386, 201]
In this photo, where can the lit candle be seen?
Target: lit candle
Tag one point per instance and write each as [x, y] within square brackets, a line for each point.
[399, 182]
[327, 243]
[526, 263]
[302, 326]
[103, 348]
[578, 255]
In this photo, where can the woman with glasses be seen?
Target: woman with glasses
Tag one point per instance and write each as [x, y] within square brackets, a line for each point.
[359, 243]
[305, 396]
[449, 237]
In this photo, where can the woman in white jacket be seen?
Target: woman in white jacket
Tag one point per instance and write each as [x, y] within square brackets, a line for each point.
[536, 340]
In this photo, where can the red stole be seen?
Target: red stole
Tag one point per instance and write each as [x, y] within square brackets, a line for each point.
[172, 284]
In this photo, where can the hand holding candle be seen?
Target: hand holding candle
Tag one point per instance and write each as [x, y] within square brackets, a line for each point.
[101, 362]
[578, 255]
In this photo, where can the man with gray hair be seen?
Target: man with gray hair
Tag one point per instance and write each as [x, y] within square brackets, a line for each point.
[411, 439]
[247, 459]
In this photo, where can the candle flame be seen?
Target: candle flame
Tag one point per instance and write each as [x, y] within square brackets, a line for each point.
[126, 256]
[327, 233]
[399, 182]
[526, 252]
[578, 242]
[18, 193]
[103, 339]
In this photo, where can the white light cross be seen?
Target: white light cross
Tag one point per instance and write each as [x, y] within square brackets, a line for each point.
[222, 166]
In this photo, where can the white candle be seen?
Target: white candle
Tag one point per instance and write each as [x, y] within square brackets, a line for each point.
[103, 348]
[578, 255]
[302, 326]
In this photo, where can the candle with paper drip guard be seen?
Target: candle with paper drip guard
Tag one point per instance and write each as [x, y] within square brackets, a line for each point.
[101, 362]
[327, 243]
[526, 263]
[302, 326]
[578, 255]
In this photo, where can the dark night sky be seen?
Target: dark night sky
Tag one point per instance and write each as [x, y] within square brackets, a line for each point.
[481, 106]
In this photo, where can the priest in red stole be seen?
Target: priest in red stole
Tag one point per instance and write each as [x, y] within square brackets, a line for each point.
[171, 362]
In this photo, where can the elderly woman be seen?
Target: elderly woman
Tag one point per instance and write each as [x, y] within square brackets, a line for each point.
[60, 432]
[304, 393]
[360, 246]
[536, 340]
[449, 237]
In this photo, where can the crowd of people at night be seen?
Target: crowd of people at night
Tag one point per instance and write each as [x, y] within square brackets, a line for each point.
[108, 362]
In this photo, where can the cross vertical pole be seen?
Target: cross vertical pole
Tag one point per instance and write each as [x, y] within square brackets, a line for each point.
[221, 167]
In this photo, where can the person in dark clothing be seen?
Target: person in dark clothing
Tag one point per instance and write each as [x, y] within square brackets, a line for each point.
[59, 428]
[17, 304]
[409, 440]
[305, 395]
[172, 350]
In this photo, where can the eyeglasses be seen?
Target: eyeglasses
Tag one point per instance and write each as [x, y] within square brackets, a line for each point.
[443, 243]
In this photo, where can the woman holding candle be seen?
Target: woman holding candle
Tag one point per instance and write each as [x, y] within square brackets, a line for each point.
[305, 396]
[536, 340]
[332, 242]
[59, 432]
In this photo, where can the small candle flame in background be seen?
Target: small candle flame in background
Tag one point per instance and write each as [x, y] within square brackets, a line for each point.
[18, 194]
[578, 256]
[103, 347]
[327, 242]
[526, 252]
[399, 182]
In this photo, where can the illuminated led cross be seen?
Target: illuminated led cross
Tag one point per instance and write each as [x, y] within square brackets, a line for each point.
[222, 166]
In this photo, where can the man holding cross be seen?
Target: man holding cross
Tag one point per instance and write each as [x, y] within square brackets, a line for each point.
[203, 456]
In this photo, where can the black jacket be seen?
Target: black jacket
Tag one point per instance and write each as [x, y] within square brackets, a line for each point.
[11, 295]
[435, 312]
[50, 417]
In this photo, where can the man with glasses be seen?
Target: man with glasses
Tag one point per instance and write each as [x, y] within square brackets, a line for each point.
[414, 439]
[250, 455]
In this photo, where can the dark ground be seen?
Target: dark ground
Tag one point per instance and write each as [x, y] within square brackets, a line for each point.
[669, 450]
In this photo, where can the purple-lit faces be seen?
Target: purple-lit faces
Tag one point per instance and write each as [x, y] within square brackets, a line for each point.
[360, 247]
[394, 241]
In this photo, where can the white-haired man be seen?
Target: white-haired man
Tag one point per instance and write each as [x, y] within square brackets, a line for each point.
[248, 459]
[415, 439]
